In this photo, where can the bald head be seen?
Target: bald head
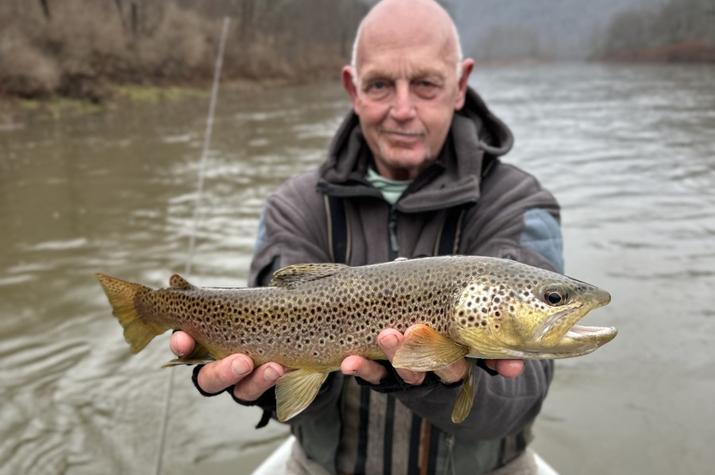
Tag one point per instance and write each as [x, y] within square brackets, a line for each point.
[394, 22]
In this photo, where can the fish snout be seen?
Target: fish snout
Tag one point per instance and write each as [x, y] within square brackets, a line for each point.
[602, 297]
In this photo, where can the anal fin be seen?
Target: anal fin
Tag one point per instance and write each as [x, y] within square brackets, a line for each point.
[295, 391]
[424, 349]
[186, 361]
[465, 398]
[200, 355]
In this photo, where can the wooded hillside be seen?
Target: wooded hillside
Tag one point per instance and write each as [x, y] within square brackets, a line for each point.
[680, 30]
[76, 47]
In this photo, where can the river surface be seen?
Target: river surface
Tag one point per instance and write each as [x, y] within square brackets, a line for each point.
[628, 150]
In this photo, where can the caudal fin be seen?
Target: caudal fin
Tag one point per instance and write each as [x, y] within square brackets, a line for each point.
[138, 331]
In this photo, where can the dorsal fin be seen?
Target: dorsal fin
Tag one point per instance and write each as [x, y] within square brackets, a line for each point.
[178, 282]
[290, 276]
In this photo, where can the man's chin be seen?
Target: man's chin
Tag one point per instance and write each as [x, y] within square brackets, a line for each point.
[402, 168]
[397, 157]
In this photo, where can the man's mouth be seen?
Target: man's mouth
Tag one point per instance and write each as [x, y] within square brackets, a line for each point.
[401, 134]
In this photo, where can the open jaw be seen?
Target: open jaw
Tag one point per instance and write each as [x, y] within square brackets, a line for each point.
[577, 341]
[554, 327]
[580, 340]
[561, 337]
[603, 334]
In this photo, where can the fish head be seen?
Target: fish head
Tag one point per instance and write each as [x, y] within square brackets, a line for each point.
[526, 312]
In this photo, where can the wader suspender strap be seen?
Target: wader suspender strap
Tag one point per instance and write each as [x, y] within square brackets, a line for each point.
[450, 237]
[339, 236]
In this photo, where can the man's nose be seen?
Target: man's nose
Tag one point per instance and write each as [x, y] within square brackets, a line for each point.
[403, 106]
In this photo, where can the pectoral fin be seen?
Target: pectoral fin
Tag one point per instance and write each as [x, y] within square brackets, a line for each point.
[424, 349]
[465, 398]
[295, 391]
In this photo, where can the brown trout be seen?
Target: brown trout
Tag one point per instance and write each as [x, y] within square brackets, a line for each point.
[314, 315]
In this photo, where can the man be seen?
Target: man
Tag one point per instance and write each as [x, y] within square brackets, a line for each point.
[416, 161]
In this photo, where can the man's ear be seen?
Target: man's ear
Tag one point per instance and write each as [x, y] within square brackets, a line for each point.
[463, 83]
[349, 85]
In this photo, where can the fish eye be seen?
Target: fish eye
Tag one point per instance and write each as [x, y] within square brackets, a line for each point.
[554, 297]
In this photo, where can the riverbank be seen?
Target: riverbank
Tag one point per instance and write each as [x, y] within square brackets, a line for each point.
[14, 110]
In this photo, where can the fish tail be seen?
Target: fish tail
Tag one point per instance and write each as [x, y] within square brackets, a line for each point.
[138, 329]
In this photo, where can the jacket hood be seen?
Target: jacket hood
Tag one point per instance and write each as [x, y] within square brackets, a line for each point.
[476, 138]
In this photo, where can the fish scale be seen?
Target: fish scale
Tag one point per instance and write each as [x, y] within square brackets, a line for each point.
[314, 315]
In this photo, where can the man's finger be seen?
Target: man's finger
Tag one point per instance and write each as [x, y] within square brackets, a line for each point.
[181, 344]
[389, 341]
[454, 372]
[507, 368]
[217, 376]
[368, 370]
[252, 386]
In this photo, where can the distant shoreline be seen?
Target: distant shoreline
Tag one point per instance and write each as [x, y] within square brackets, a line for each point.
[165, 89]
[15, 108]
[682, 52]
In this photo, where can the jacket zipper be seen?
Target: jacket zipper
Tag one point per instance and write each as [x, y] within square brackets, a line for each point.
[451, 464]
[394, 249]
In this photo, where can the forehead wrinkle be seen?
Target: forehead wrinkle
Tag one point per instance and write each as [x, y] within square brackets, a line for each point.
[386, 39]
[395, 61]
[375, 72]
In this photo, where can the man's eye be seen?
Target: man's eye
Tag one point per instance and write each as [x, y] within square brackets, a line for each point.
[378, 89]
[425, 88]
[377, 86]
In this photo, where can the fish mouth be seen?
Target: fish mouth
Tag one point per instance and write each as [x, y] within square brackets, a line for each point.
[579, 340]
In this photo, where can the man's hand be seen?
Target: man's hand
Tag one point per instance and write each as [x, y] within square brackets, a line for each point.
[236, 369]
[390, 340]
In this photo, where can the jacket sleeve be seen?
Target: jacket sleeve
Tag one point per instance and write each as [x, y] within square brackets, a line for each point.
[522, 223]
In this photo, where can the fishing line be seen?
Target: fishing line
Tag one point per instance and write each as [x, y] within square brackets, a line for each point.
[194, 224]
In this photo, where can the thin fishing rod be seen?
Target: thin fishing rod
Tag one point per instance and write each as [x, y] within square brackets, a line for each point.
[194, 225]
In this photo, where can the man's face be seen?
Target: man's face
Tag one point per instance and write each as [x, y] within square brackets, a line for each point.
[405, 96]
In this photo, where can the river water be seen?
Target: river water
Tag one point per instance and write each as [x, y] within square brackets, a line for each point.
[628, 150]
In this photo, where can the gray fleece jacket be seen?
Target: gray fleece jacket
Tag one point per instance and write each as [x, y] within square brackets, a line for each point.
[353, 427]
